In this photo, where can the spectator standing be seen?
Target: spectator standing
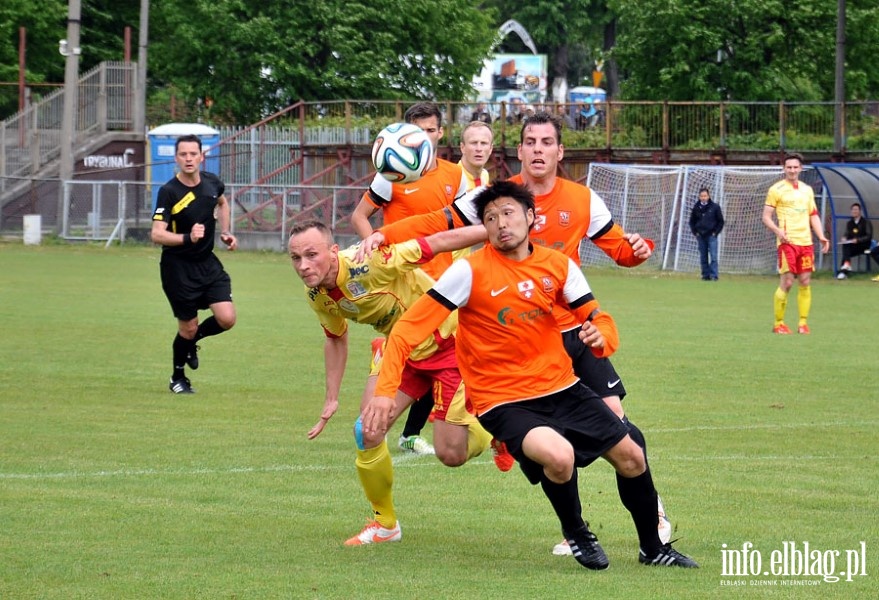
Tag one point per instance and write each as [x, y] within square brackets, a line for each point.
[706, 223]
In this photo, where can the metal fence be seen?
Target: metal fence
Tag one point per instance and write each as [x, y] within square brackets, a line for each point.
[618, 125]
[108, 211]
[105, 210]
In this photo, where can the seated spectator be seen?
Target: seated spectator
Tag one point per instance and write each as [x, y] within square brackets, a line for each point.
[858, 235]
[515, 111]
[565, 114]
[481, 114]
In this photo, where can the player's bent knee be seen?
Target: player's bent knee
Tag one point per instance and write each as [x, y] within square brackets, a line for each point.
[226, 323]
[628, 458]
[451, 459]
[358, 434]
[365, 441]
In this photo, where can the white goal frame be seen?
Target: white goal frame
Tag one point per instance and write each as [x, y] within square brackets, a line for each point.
[656, 201]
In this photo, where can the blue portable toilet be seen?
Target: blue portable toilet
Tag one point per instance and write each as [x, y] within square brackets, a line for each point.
[161, 166]
[583, 99]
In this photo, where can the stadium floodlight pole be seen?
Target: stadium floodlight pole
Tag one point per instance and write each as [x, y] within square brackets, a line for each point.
[839, 105]
[68, 48]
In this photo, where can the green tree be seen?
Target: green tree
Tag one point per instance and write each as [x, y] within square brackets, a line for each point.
[102, 30]
[252, 58]
[742, 50]
[44, 23]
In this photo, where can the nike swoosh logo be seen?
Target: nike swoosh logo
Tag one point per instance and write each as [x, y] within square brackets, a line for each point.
[410, 191]
[498, 292]
[383, 538]
[610, 384]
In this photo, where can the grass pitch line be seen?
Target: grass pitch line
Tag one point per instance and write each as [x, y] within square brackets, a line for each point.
[402, 460]
[414, 460]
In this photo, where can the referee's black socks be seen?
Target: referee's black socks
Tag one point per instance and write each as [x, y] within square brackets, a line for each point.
[180, 349]
[207, 328]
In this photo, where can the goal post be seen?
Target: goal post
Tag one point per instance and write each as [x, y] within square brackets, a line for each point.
[656, 201]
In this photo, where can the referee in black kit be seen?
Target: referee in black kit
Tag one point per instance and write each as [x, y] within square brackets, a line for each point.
[193, 278]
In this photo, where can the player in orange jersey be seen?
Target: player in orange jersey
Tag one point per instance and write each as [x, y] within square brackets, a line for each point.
[377, 292]
[793, 205]
[520, 380]
[443, 183]
[437, 188]
[477, 139]
[566, 213]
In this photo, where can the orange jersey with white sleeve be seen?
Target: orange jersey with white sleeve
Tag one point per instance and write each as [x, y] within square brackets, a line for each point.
[794, 206]
[377, 291]
[434, 190]
[507, 342]
[565, 216]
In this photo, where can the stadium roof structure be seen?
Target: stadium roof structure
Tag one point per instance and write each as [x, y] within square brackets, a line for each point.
[845, 184]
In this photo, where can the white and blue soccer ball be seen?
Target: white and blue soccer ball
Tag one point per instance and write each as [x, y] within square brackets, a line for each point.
[402, 153]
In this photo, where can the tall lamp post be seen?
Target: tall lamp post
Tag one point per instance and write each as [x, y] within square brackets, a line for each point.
[68, 48]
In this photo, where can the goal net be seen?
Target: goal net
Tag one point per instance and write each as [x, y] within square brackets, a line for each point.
[656, 201]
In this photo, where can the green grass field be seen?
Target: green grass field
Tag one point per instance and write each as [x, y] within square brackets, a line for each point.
[112, 487]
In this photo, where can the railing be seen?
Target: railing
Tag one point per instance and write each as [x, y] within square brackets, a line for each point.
[32, 138]
[618, 125]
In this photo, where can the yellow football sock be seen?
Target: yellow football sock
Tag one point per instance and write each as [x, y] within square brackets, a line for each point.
[780, 303]
[804, 302]
[478, 439]
[376, 474]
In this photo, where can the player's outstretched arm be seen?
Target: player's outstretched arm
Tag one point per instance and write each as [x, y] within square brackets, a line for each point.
[335, 359]
[360, 217]
[456, 239]
[416, 325]
[422, 225]
[625, 249]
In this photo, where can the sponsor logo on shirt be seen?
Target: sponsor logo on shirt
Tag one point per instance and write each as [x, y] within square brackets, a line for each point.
[357, 271]
[526, 288]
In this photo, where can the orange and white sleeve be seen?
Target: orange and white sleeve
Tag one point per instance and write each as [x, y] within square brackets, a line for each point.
[618, 248]
[585, 307]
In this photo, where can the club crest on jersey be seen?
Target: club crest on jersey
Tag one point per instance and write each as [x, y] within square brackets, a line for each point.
[348, 306]
[449, 190]
[539, 222]
[564, 218]
[355, 288]
[547, 284]
[526, 288]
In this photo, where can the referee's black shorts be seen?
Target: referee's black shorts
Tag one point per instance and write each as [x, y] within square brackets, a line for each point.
[596, 373]
[194, 286]
[576, 413]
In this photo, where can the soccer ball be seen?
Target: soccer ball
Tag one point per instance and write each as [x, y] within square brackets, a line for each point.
[402, 153]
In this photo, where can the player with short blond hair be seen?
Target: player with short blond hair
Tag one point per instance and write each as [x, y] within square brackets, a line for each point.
[377, 291]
